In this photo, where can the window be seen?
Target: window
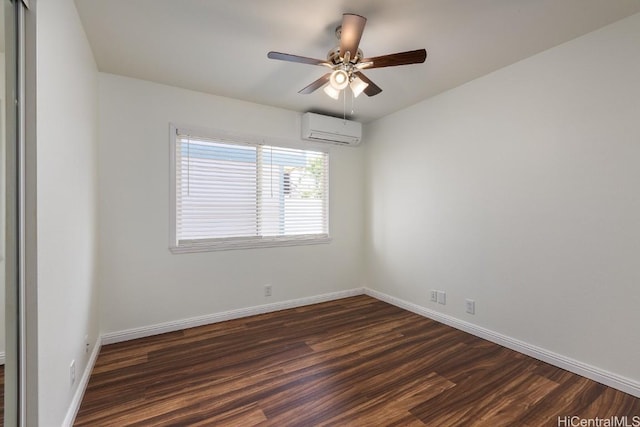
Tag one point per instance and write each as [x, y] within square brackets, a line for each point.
[231, 192]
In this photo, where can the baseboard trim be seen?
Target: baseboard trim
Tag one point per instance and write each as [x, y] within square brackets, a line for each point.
[602, 376]
[2, 357]
[161, 328]
[74, 407]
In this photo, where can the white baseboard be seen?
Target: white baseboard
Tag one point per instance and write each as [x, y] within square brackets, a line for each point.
[610, 379]
[82, 386]
[161, 328]
[2, 357]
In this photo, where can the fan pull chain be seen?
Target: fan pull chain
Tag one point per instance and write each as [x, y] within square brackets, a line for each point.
[344, 105]
[353, 102]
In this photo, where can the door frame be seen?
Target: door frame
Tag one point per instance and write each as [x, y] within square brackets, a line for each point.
[21, 364]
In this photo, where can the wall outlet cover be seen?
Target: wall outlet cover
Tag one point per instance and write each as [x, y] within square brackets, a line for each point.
[433, 295]
[470, 306]
[72, 372]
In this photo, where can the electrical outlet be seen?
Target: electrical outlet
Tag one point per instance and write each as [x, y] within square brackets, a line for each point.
[72, 372]
[267, 290]
[434, 295]
[87, 345]
[470, 306]
[442, 297]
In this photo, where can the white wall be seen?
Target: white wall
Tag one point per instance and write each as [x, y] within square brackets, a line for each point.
[67, 85]
[142, 283]
[521, 190]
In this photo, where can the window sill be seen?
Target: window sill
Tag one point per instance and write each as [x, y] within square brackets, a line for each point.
[227, 245]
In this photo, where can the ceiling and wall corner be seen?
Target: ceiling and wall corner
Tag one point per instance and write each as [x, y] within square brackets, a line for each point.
[220, 47]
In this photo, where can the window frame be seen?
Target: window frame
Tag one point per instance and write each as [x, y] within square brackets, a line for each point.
[221, 244]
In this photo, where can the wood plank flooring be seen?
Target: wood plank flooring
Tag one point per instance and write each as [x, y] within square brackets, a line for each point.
[1, 395]
[356, 361]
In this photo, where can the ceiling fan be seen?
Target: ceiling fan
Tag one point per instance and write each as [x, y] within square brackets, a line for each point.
[347, 61]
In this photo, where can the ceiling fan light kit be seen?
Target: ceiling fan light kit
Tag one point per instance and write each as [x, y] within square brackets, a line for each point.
[339, 79]
[347, 61]
[357, 86]
[332, 92]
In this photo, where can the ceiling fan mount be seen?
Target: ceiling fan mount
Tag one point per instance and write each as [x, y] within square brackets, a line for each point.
[347, 60]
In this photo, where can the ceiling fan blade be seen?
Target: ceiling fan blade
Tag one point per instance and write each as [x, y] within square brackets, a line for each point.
[296, 58]
[351, 33]
[401, 58]
[370, 90]
[315, 85]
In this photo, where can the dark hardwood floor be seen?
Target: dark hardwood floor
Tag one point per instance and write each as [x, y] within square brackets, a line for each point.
[1, 395]
[356, 361]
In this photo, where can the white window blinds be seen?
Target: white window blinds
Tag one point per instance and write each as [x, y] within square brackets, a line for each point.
[246, 194]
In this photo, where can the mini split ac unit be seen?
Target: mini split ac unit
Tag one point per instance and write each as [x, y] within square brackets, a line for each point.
[316, 127]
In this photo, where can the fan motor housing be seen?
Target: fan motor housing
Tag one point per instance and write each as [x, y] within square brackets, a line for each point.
[335, 58]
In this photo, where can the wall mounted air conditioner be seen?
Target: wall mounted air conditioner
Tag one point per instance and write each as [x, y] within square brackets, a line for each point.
[316, 127]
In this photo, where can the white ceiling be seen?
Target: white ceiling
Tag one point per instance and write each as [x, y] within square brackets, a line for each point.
[220, 46]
